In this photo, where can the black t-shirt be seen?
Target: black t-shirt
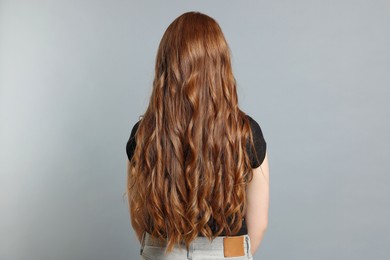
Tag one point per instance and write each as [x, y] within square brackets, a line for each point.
[260, 147]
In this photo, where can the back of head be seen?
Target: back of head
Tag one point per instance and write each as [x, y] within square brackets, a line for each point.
[193, 50]
[190, 164]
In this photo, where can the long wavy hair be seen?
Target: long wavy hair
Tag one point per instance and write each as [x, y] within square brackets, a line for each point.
[190, 164]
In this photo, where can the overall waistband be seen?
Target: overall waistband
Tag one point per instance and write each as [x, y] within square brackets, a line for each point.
[231, 245]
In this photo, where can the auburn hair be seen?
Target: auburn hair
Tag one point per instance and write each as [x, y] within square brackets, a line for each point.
[190, 164]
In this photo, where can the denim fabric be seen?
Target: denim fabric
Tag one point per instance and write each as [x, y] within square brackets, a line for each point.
[200, 249]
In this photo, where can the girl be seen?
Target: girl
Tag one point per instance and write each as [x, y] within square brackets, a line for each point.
[198, 176]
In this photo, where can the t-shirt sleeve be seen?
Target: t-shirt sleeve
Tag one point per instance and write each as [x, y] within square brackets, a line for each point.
[131, 143]
[259, 143]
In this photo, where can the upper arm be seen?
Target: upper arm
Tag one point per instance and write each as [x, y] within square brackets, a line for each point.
[138, 232]
[258, 199]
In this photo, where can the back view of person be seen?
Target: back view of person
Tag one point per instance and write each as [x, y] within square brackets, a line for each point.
[197, 169]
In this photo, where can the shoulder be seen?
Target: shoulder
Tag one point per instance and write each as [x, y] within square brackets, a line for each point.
[131, 143]
[255, 127]
[135, 128]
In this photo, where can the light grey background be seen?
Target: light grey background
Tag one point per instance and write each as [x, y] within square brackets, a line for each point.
[75, 76]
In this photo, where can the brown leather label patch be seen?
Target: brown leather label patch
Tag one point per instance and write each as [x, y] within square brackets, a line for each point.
[233, 246]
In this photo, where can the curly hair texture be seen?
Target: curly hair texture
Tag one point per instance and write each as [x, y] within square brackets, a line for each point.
[190, 164]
